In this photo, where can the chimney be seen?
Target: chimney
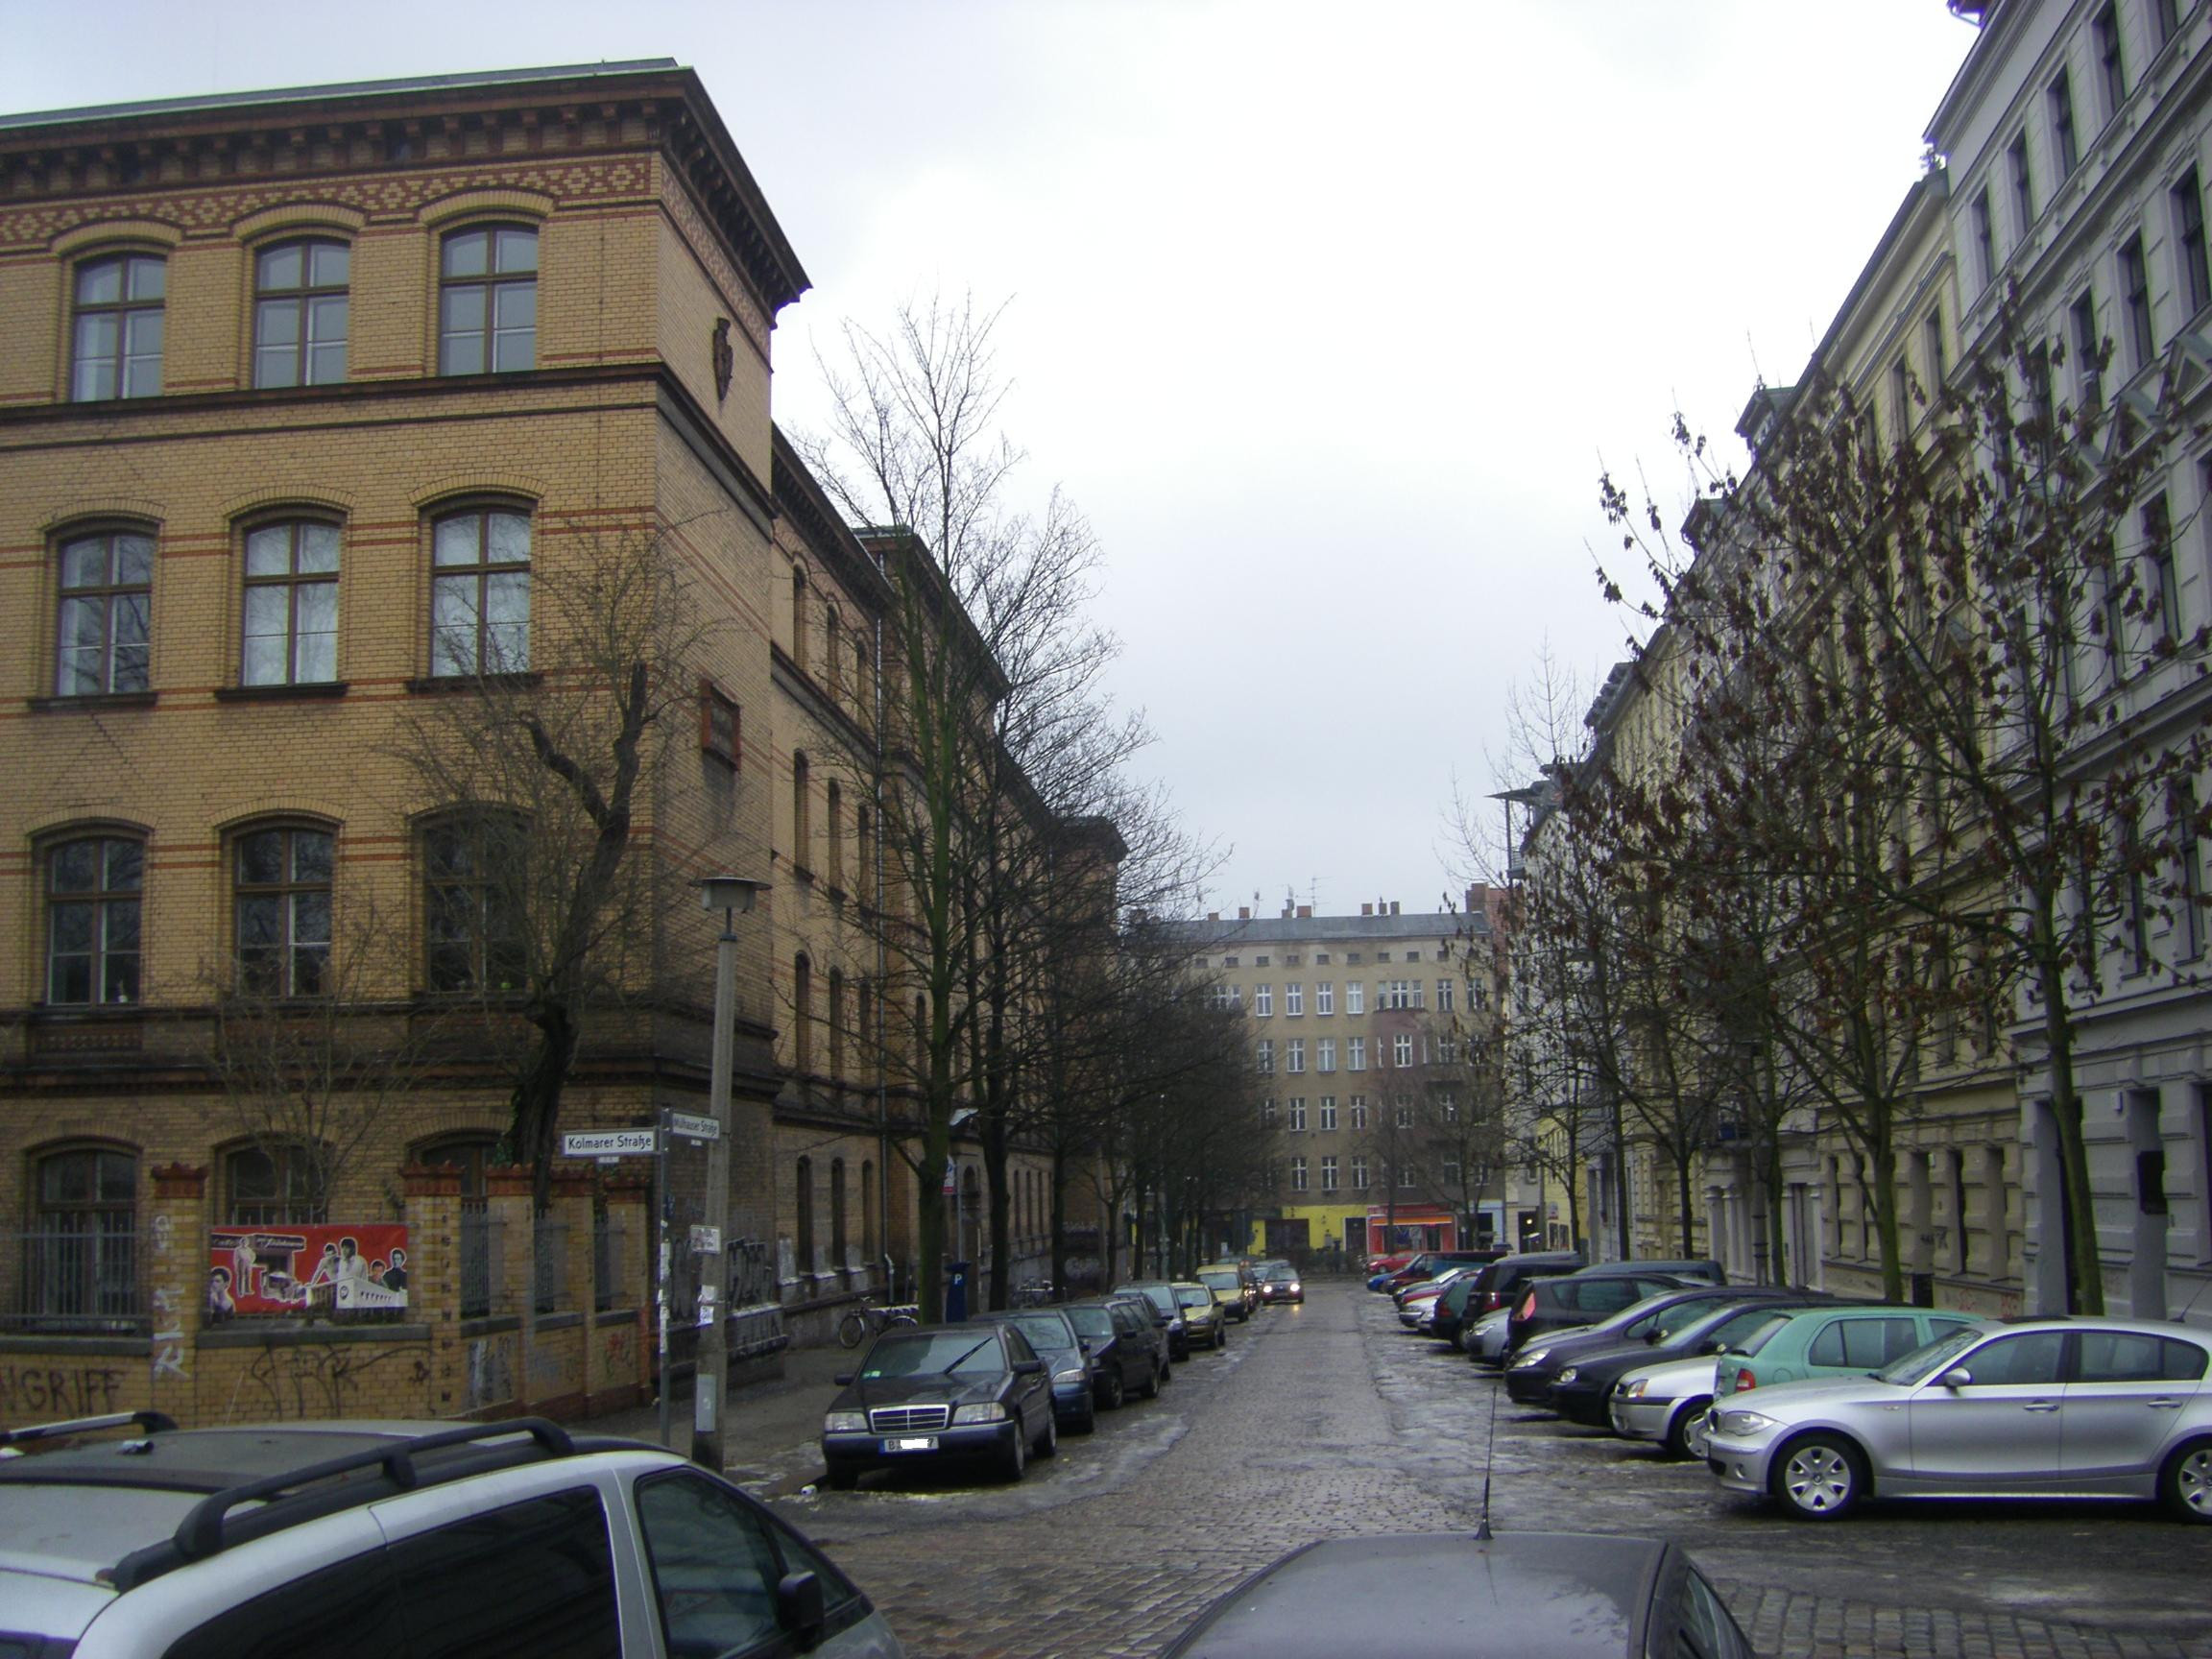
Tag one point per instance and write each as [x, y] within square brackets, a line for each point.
[1285, 912]
[1366, 909]
[1243, 912]
[1477, 898]
[1304, 912]
[1212, 915]
[1393, 906]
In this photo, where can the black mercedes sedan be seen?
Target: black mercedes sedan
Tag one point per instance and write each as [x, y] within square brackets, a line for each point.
[925, 1394]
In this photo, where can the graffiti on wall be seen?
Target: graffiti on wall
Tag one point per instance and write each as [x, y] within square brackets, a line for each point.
[28, 1392]
[168, 1300]
[491, 1371]
[328, 1379]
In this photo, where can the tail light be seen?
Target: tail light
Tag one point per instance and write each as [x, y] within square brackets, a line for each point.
[1745, 1379]
[1528, 1309]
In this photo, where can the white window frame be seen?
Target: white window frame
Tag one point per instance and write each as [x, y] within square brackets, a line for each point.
[1294, 1001]
[1294, 1060]
[1325, 998]
[1354, 997]
[1262, 1002]
[1355, 1055]
[1325, 1054]
[1328, 1112]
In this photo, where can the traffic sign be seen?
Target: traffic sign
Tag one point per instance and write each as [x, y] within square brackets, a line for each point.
[609, 1144]
[693, 1128]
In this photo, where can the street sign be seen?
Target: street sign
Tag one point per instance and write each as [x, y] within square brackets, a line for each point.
[693, 1128]
[706, 1240]
[609, 1144]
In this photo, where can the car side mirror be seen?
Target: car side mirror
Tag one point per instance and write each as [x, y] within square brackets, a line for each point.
[1082, 1342]
[1715, 1347]
[1957, 1377]
[843, 1379]
[799, 1608]
[1028, 1367]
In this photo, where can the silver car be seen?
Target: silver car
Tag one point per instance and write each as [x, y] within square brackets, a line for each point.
[2039, 1408]
[1665, 1403]
[1485, 1338]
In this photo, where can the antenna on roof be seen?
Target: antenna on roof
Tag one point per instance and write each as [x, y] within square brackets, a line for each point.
[1482, 1533]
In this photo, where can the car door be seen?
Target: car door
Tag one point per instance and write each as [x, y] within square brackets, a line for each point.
[2127, 1392]
[1032, 1394]
[2001, 1430]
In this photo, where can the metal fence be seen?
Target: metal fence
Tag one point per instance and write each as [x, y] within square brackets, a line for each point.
[610, 1240]
[480, 1256]
[77, 1282]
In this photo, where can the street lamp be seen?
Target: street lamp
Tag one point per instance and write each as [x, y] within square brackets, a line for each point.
[734, 896]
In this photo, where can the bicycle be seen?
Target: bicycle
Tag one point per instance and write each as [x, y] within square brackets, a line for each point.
[863, 1322]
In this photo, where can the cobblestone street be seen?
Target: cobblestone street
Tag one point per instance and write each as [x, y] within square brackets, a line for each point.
[1325, 1419]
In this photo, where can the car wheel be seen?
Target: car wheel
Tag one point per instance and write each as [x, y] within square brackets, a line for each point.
[1220, 1337]
[2186, 1482]
[1115, 1392]
[1014, 1461]
[1088, 1422]
[1048, 1442]
[1689, 1434]
[1818, 1478]
[1152, 1388]
[841, 1478]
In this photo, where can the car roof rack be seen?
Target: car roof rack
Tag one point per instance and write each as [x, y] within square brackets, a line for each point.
[152, 1421]
[208, 1528]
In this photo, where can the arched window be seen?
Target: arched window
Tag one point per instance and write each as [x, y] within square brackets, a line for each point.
[281, 910]
[802, 1018]
[868, 1208]
[274, 1185]
[103, 622]
[80, 1258]
[487, 299]
[799, 616]
[861, 689]
[474, 867]
[802, 1223]
[834, 1012]
[801, 827]
[863, 854]
[480, 592]
[836, 1214]
[115, 346]
[833, 643]
[864, 1027]
[299, 308]
[290, 629]
[833, 812]
[94, 895]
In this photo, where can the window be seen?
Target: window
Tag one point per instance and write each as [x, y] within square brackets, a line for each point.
[81, 1260]
[1325, 998]
[100, 638]
[833, 1020]
[1356, 1054]
[282, 911]
[1262, 1000]
[1297, 1113]
[799, 617]
[1447, 1103]
[801, 814]
[1328, 1174]
[2137, 914]
[1354, 997]
[721, 725]
[836, 1207]
[2165, 22]
[1402, 1050]
[1325, 1059]
[833, 812]
[1359, 1174]
[1932, 343]
[1267, 1113]
[2188, 852]
[1328, 1112]
[803, 1024]
[1297, 1174]
[299, 314]
[2111, 68]
[271, 1186]
[116, 344]
[480, 594]
[1401, 993]
[1451, 1172]
[1864, 1344]
[2023, 187]
[1294, 1000]
[488, 301]
[803, 1228]
[1358, 1106]
[2088, 351]
[290, 633]
[2195, 279]
[93, 887]
[2135, 301]
[2158, 557]
[1443, 996]
[1985, 240]
[1405, 1114]
[713, 1564]
[1295, 1059]
[1264, 1052]
[2029, 1360]
[471, 909]
[1407, 1175]
[2062, 138]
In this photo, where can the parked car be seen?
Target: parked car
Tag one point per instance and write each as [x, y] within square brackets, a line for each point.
[925, 1394]
[1236, 1283]
[1067, 1360]
[1279, 1283]
[1161, 1293]
[1381, 1265]
[2037, 1409]
[1833, 1343]
[1668, 1402]
[1440, 1277]
[1484, 1340]
[1582, 1384]
[1426, 1265]
[1563, 1595]
[1634, 1328]
[1498, 1285]
[131, 1538]
[1580, 1299]
[1128, 1354]
[1205, 1315]
[1151, 1312]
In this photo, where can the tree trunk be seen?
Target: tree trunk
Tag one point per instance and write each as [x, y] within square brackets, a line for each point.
[2084, 1262]
[1884, 1155]
[995, 1159]
[1683, 1197]
[1057, 1176]
[536, 1098]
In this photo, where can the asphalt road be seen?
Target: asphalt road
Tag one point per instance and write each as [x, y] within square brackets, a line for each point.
[1326, 1420]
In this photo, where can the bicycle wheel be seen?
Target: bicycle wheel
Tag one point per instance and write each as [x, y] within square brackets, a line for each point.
[853, 1330]
[902, 1319]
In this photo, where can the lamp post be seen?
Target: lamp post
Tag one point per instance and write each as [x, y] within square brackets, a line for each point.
[734, 896]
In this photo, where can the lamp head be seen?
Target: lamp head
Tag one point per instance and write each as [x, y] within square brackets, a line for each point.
[731, 893]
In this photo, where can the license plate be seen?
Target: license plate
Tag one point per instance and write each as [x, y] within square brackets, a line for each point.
[912, 1443]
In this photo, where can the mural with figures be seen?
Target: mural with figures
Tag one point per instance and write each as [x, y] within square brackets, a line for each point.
[340, 1267]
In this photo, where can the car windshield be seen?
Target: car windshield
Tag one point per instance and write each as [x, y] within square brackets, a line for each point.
[1760, 1337]
[931, 1353]
[1092, 1321]
[1276, 1270]
[1747, 1328]
[1925, 1362]
[1219, 1281]
[1197, 1297]
[1159, 1295]
[1045, 1331]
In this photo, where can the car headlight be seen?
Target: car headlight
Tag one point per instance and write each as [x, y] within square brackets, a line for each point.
[1174, 1324]
[1568, 1375]
[1633, 1388]
[1296, 1287]
[1742, 1422]
[845, 1422]
[989, 1412]
[1069, 1376]
[1534, 1357]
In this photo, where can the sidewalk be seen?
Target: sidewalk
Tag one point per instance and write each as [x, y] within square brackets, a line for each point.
[772, 1440]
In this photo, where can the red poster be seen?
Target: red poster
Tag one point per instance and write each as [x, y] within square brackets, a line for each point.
[339, 1267]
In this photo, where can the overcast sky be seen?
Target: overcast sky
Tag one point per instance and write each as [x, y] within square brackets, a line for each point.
[1326, 314]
